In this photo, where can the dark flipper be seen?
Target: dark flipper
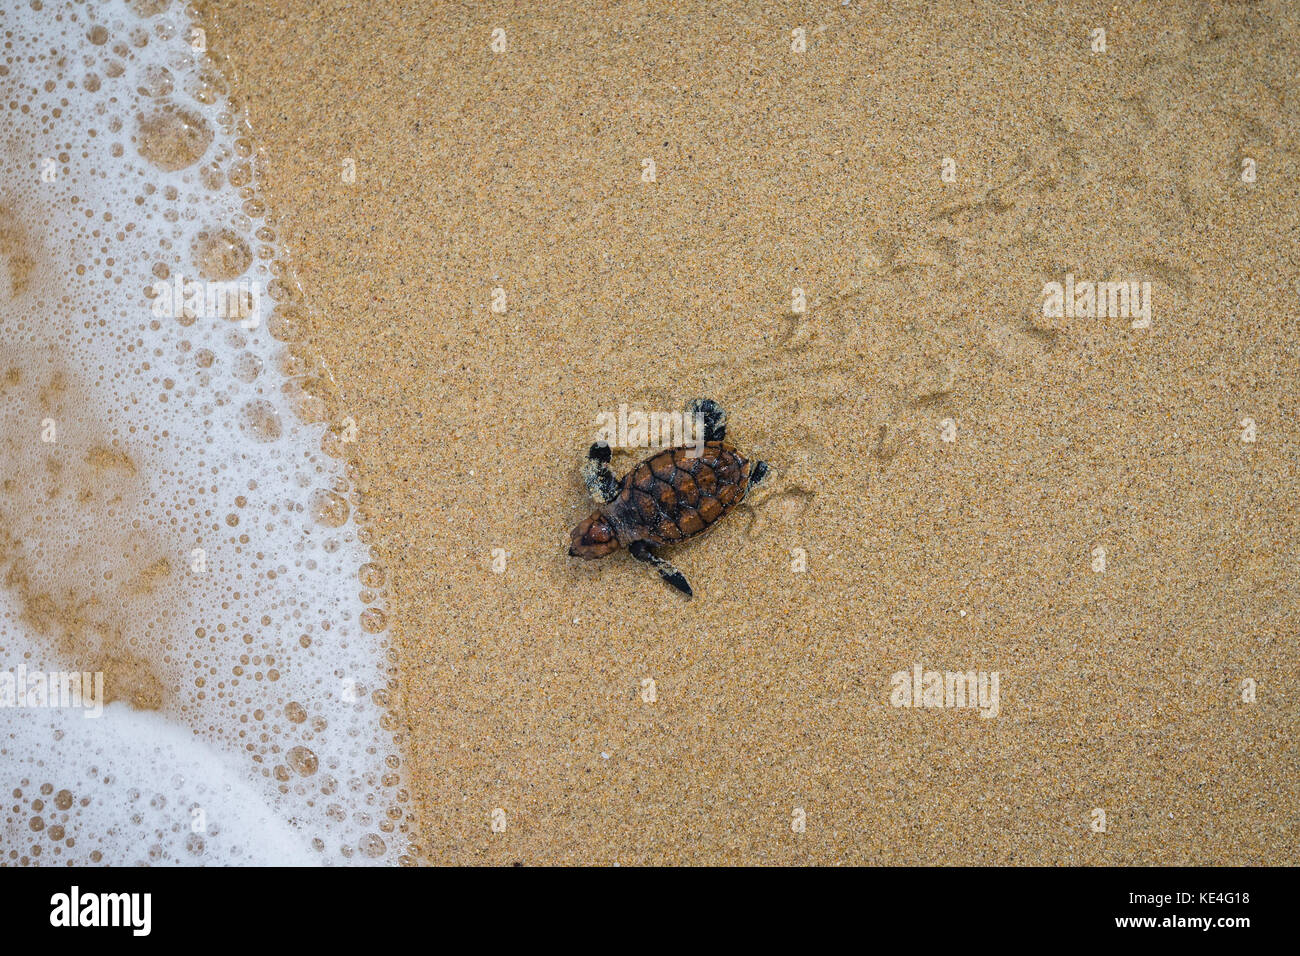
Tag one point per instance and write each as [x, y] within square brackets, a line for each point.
[713, 417]
[641, 551]
[758, 473]
[600, 481]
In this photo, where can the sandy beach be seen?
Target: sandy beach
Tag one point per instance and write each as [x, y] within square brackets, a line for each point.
[842, 221]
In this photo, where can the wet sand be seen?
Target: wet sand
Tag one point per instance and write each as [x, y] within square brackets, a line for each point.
[1124, 687]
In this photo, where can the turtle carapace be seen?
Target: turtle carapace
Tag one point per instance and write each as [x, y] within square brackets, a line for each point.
[673, 495]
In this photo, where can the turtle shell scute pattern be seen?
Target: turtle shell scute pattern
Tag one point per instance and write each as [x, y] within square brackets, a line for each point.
[673, 495]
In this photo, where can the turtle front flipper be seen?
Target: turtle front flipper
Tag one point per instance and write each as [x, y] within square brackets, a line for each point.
[711, 415]
[600, 481]
[641, 551]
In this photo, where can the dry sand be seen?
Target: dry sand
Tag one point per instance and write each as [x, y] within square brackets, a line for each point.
[1120, 690]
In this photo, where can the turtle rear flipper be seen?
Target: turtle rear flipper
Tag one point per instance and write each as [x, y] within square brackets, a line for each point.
[641, 551]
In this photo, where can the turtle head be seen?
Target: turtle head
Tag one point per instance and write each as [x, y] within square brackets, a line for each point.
[593, 537]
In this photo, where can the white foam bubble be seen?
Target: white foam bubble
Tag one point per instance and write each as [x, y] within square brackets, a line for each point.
[167, 514]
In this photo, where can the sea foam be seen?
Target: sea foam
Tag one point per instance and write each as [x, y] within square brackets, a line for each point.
[175, 509]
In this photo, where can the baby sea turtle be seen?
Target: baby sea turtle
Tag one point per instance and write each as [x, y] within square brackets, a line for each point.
[673, 495]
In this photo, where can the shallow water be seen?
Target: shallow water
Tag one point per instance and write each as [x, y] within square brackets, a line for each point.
[175, 513]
